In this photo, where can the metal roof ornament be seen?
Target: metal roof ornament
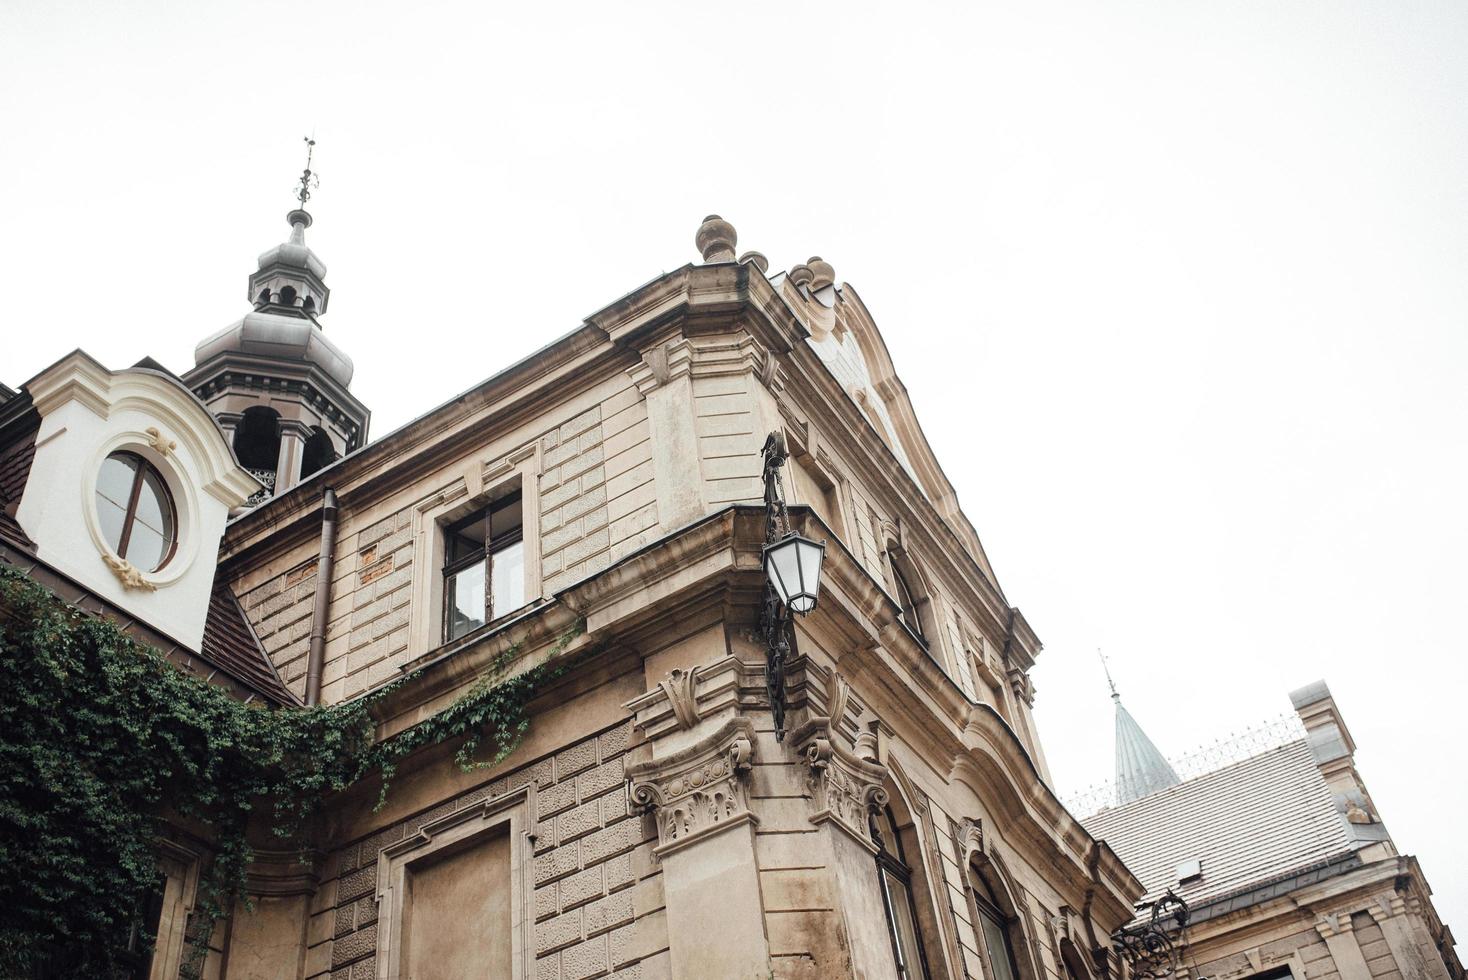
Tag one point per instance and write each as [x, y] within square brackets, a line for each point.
[309, 179]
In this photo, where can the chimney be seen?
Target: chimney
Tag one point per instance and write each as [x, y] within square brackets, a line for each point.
[1335, 755]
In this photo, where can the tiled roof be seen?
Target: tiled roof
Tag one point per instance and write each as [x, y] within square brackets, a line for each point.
[1248, 824]
[230, 643]
[15, 469]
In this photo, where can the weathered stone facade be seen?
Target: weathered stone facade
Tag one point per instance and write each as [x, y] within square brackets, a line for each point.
[666, 829]
[654, 821]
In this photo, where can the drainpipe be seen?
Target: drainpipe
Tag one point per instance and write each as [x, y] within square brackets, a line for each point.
[316, 657]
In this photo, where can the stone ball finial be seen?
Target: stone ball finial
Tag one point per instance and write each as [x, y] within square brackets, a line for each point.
[716, 239]
[801, 274]
[756, 259]
[823, 274]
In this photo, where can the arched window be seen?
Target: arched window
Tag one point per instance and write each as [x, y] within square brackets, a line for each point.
[135, 511]
[994, 928]
[257, 439]
[907, 597]
[317, 452]
[896, 880]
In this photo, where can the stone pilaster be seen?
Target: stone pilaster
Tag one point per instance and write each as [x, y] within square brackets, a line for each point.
[1340, 937]
[663, 379]
[696, 785]
[1415, 960]
[846, 785]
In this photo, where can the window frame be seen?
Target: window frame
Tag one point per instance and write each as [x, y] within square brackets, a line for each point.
[895, 865]
[907, 603]
[492, 546]
[986, 904]
[506, 814]
[141, 469]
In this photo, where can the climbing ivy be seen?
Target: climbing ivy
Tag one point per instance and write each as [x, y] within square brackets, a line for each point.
[100, 737]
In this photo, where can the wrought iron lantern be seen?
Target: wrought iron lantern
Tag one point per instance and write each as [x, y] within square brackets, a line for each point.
[792, 579]
[1152, 946]
[793, 566]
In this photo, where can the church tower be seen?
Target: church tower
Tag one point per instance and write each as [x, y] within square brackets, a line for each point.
[274, 381]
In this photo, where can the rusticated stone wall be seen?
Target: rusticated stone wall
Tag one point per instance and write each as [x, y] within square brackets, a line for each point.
[597, 903]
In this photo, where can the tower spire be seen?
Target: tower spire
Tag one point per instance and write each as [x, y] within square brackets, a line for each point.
[1109, 682]
[1141, 769]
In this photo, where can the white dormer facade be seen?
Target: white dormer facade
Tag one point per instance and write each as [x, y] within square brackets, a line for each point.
[147, 420]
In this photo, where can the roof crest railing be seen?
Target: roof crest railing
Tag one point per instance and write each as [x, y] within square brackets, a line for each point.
[1232, 748]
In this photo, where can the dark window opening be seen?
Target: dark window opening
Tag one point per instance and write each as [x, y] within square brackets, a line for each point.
[317, 452]
[288, 296]
[257, 439]
[896, 882]
[483, 567]
[994, 929]
[137, 959]
[263, 298]
[309, 305]
[906, 599]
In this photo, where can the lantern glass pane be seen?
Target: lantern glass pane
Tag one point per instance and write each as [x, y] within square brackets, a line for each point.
[810, 566]
[783, 567]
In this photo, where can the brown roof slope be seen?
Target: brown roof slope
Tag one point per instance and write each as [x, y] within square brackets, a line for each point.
[230, 644]
[1247, 823]
[15, 469]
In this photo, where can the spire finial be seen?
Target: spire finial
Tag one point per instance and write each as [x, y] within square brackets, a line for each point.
[1109, 682]
[309, 180]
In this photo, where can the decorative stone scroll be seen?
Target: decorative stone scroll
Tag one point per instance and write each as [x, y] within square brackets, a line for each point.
[970, 840]
[155, 439]
[127, 573]
[681, 689]
[700, 790]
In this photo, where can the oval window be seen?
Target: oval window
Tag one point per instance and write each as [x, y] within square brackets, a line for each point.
[135, 511]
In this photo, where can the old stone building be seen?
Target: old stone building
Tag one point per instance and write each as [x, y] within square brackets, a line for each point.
[1280, 853]
[885, 811]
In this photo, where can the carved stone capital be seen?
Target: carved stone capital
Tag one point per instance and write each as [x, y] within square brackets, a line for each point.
[844, 788]
[1022, 687]
[1333, 924]
[700, 790]
[661, 364]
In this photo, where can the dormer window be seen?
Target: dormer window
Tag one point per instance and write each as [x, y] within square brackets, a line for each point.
[484, 567]
[135, 511]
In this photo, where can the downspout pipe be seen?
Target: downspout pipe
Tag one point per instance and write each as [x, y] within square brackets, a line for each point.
[316, 656]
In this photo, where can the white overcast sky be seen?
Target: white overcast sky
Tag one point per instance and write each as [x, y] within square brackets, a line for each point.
[1178, 287]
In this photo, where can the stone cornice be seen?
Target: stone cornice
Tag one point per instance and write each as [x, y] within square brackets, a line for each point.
[689, 301]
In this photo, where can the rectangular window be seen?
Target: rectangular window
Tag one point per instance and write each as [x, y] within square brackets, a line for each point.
[483, 567]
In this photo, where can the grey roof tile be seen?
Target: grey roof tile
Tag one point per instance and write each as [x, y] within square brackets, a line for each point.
[1248, 823]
